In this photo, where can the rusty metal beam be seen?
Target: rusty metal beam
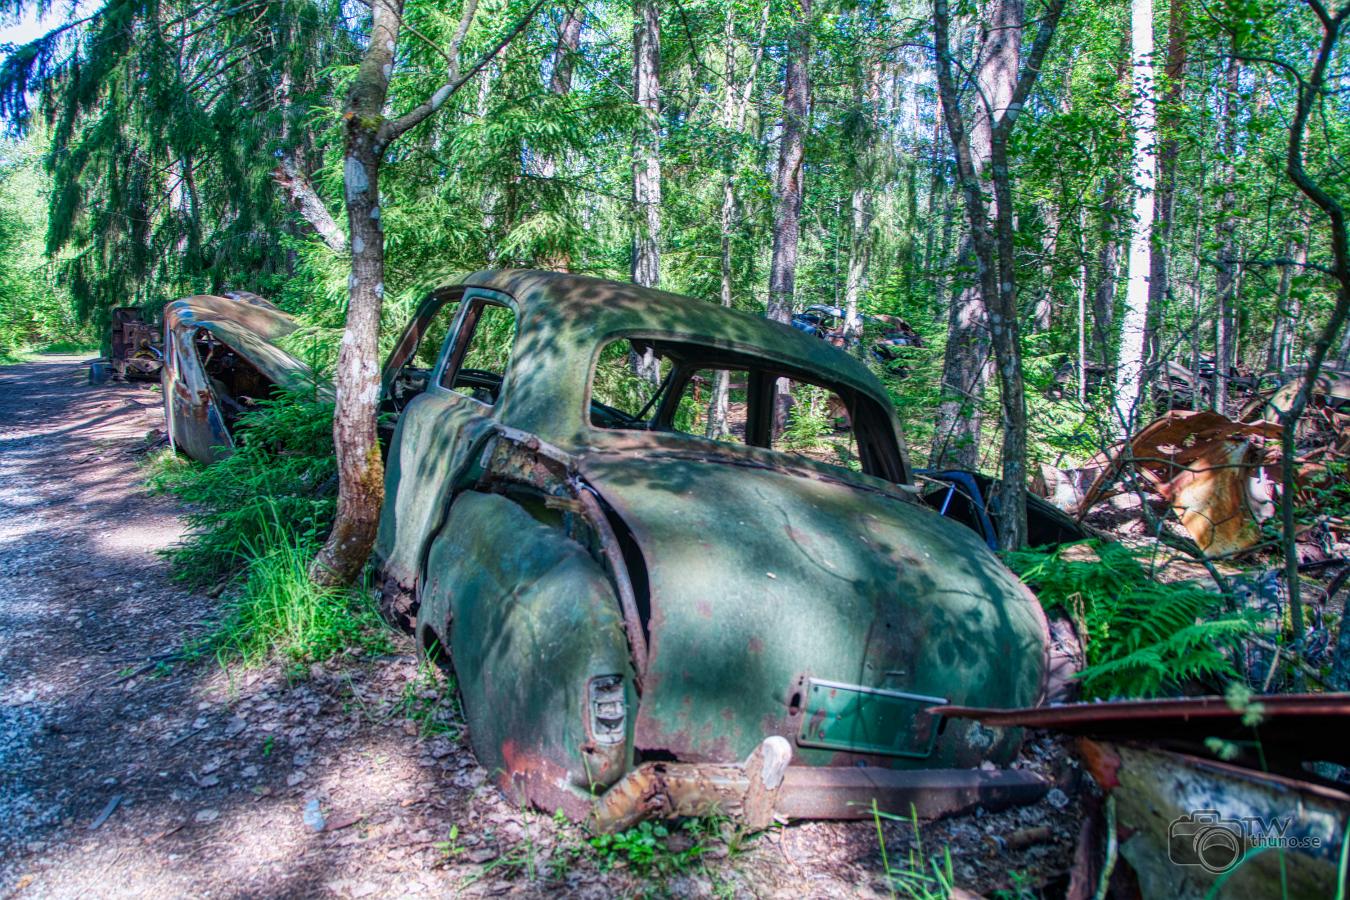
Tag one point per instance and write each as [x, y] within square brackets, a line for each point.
[1083, 716]
[765, 787]
[1291, 729]
[847, 793]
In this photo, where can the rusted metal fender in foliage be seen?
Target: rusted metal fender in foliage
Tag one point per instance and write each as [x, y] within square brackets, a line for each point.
[648, 623]
[1258, 823]
[1219, 475]
[220, 356]
[1197, 828]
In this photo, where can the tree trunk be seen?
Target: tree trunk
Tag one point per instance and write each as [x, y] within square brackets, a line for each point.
[569, 39]
[789, 184]
[1164, 199]
[1082, 304]
[1129, 387]
[1287, 311]
[788, 177]
[560, 84]
[646, 262]
[736, 100]
[1108, 271]
[1043, 311]
[935, 251]
[357, 380]
[861, 200]
[966, 363]
[646, 259]
[995, 252]
[306, 201]
[1225, 280]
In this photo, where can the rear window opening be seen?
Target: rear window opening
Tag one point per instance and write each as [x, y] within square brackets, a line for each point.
[236, 384]
[729, 397]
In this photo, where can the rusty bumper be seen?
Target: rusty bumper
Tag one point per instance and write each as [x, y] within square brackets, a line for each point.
[766, 787]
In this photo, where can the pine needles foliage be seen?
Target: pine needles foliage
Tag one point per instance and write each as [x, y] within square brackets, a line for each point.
[1142, 637]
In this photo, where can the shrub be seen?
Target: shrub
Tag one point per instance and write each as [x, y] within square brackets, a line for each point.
[1142, 638]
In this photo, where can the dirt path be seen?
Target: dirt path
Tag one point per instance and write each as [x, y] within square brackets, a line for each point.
[123, 776]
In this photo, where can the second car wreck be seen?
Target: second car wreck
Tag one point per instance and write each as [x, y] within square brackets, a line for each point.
[221, 357]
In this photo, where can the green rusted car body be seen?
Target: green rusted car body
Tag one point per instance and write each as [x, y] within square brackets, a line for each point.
[648, 622]
[220, 357]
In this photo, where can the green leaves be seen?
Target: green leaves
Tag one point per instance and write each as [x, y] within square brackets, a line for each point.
[1142, 638]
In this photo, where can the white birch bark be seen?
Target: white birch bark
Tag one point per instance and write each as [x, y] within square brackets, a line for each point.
[1130, 369]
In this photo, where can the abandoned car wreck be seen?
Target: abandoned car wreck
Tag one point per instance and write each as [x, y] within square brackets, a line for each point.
[221, 357]
[647, 621]
[657, 605]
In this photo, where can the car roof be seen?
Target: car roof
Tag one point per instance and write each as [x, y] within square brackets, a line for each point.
[603, 310]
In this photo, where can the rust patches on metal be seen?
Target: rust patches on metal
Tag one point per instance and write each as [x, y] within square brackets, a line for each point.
[220, 357]
[1101, 762]
[746, 792]
[137, 349]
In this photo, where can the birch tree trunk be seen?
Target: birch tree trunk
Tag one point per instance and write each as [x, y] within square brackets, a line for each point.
[1129, 387]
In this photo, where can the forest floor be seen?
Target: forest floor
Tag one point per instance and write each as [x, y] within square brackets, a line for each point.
[124, 773]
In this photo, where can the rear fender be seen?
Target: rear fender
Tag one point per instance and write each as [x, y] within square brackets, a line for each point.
[537, 642]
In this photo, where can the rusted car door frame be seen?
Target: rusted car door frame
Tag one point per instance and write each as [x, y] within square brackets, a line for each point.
[427, 484]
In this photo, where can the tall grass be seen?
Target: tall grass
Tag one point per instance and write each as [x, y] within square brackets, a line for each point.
[282, 473]
[278, 611]
[256, 518]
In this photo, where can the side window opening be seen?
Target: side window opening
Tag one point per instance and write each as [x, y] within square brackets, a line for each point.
[620, 398]
[483, 352]
[819, 422]
[417, 352]
[715, 403]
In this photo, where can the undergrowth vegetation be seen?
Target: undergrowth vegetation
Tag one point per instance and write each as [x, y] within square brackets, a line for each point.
[256, 518]
[1141, 637]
